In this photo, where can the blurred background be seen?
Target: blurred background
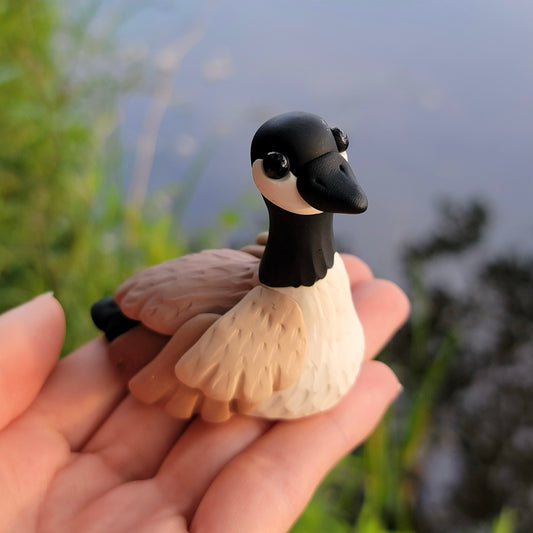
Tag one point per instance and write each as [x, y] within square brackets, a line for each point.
[125, 130]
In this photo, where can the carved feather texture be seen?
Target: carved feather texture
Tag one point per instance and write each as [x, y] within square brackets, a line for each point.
[335, 348]
[165, 296]
[258, 347]
[277, 353]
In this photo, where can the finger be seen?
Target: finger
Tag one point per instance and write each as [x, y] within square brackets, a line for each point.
[266, 487]
[256, 250]
[382, 308]
[199, 455]
[130, 446]
[85, 387]
[80, 393]
[31, 337]
[358, 271]
[135, 439]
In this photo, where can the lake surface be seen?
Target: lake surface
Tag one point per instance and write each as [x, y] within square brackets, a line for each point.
[437, 99]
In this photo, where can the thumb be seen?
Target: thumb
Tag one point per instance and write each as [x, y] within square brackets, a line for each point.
[31, 337]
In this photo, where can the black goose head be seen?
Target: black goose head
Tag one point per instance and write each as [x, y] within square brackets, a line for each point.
[299, 164]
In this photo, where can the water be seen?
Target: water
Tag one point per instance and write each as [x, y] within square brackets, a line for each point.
[437, 98]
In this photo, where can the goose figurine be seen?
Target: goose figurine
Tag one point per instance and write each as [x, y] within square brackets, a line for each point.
[270, 330]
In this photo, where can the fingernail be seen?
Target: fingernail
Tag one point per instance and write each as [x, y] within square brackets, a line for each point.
[399, 391]
[46, 294]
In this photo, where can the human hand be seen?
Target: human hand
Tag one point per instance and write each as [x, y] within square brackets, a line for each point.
[79, 454]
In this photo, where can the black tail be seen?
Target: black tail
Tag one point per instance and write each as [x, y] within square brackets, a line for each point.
[108, 317]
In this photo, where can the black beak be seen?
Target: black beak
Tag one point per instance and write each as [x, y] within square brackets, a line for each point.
[328, 183]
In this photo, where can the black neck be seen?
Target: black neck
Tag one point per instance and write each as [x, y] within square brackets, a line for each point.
[299, 250]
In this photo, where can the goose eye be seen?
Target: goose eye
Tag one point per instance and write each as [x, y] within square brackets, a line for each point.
[341, 139]
[276, 165]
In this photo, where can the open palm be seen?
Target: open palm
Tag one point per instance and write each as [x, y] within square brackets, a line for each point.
[79, 454]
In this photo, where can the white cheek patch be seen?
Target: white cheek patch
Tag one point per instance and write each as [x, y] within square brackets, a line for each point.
[344, 154]
[282, 192]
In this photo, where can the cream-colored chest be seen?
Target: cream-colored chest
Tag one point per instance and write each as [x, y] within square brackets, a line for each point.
[335, 346]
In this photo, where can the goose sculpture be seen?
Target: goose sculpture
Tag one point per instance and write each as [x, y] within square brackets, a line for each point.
[270, 330]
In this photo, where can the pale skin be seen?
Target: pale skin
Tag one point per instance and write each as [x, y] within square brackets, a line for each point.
[78, 453]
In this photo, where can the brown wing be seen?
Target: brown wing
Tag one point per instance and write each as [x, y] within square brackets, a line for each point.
[254, 349]
[165, 296]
